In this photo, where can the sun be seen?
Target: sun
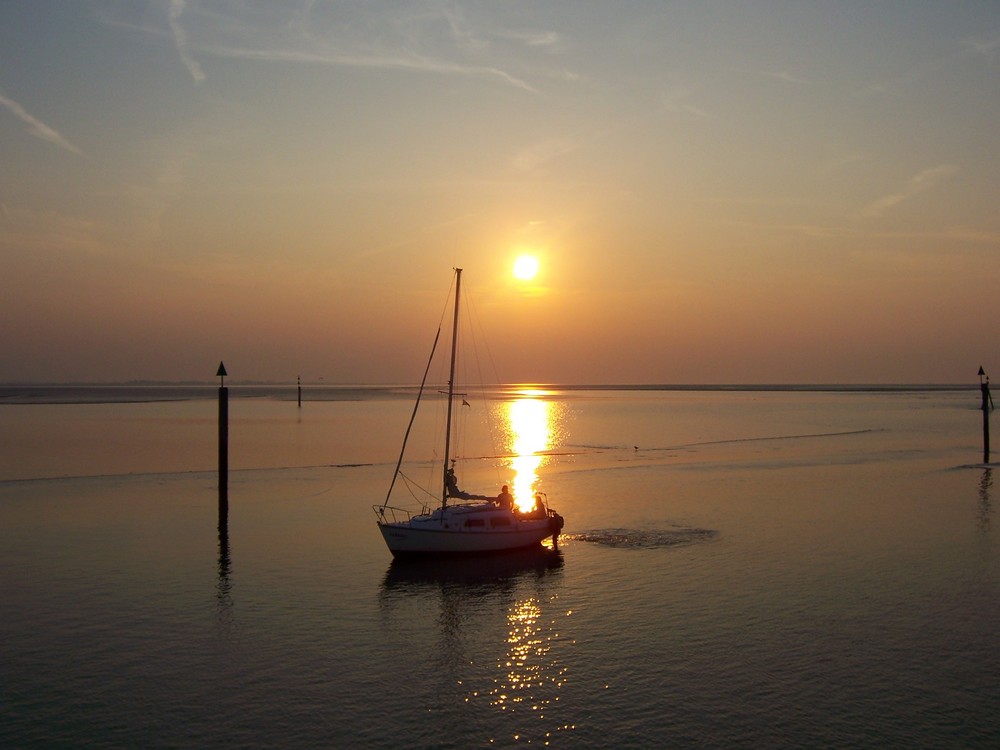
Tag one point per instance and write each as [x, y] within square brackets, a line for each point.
[525, 267]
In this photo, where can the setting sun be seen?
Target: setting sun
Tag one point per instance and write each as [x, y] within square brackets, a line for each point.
[525, 267]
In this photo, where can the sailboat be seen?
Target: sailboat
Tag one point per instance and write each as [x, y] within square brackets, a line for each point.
[468, 524]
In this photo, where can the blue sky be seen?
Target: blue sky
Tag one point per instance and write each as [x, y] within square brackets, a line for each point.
[716, 192]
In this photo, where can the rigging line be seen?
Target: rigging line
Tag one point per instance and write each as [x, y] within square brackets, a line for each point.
[413, 416]
[478, 335]
[420, 392]
[477, 327]
[440, 376]
[412, 484]
[468, 353]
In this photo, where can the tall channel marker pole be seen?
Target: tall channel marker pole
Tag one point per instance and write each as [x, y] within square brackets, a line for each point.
[223, 432]
[984, 386]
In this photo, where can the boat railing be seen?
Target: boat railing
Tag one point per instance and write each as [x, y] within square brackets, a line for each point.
[390, 514]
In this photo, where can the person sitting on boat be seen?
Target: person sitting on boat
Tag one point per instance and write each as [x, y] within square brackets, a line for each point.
[451, 482]
[505, 500]
[537, 510]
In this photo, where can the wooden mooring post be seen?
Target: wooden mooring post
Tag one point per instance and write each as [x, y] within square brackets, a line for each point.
[223, 435]
[984, 387]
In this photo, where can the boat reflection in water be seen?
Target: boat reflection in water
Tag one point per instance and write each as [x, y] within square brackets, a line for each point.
[416, 574]
[501, 639]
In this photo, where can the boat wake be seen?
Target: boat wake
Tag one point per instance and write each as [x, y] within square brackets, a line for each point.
[646, 449]
[644, 538]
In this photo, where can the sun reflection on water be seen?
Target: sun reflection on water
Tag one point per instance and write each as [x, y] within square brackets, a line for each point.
[533, 424]
[529, 679]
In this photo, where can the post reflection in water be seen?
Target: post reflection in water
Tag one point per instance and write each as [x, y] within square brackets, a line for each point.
[532, 424]
[223, 591]
[985, 509]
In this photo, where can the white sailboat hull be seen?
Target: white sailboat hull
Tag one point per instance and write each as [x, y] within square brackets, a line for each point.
[428, 535]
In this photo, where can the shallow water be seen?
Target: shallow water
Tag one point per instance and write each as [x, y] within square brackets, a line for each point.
[738, 569]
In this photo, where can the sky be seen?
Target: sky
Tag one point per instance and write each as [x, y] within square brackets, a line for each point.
[716, 192]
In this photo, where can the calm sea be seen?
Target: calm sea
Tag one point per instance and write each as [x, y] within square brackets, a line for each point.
[766, 568]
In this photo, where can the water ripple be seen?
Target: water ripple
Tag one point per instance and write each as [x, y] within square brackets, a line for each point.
[645, 538]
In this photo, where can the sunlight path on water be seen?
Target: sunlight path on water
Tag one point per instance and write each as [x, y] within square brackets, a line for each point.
[531, 434]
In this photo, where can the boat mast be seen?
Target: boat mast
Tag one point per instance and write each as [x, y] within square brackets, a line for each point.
[451, 391]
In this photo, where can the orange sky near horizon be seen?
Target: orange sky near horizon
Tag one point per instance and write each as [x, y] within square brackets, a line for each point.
[730, 193]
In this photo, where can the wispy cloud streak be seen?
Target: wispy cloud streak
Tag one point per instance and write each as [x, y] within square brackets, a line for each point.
[784, 75]
[921, 183]
[413, 63]
[676, 99]
[180, 40]
[38, 128]
[533, 157]
[422, 39]
[986, 48]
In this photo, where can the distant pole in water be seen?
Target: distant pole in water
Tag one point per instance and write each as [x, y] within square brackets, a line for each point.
[984, 386]
[223, 484]
[300, 391]
[223, 435]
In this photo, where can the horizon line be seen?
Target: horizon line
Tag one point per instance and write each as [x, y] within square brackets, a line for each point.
[143, 383]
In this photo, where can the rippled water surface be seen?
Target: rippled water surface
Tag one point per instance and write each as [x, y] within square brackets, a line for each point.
[753, 569]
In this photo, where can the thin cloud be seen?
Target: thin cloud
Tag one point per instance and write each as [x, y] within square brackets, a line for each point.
[300, 19]
[462, 33]
[986, 48]
[839, 161]
[677, 98]
[415, 64]
[675, 103]
[784, 75]
[548, 40]
[533, 157]
[48, 231]
[180, 40]
[975, 236]
[306, 36]
[921, 183]
[39, 129]
[467, 36]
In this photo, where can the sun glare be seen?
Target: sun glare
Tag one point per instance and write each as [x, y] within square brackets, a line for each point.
[530, 421]
[525, 267]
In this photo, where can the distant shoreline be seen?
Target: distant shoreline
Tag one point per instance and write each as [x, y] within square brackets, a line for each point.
[561, 386]
[149, 392]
